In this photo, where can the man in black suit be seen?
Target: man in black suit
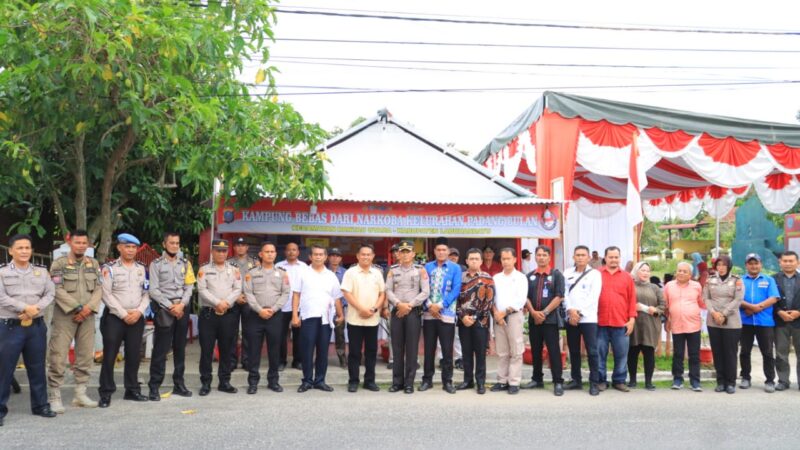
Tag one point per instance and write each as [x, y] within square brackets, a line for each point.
[787, 317]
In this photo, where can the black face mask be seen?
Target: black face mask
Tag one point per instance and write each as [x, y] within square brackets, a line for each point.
[171, 255]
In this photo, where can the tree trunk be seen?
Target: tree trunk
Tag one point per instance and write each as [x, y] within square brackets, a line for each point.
[81, 221]
[109, 176]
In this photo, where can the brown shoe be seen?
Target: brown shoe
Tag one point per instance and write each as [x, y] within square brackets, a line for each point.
[621, 387]
[602, 386]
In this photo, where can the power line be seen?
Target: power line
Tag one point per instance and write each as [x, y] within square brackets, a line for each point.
[554, 47]
[338, 90]
[422, 19]
[490, 72]
[500, 63]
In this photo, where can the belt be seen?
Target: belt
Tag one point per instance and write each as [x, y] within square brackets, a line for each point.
[17, 322]
[213, 310]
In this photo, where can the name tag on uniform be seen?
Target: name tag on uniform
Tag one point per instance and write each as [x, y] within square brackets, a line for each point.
[763, 284]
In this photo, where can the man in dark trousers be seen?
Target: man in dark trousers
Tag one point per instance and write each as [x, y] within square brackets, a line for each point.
[545, 292]
[25, 291]
[787, 322]
[407, 288]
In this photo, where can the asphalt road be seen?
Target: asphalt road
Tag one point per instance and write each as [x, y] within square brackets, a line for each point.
[433, 419]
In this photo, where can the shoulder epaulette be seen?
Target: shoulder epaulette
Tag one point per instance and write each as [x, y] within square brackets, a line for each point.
[159, 259]
[279, 268]
[39, 265]
[3, 265]
[394, 266]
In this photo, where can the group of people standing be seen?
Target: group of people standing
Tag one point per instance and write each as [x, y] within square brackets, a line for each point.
[599, 307]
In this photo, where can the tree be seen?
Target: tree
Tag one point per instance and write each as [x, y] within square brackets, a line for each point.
[98, 98]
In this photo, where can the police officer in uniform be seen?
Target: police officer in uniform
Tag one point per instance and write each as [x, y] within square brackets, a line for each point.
[723, 294]
[245, 263]
[407, 288]
[78, 296]
[266, 289]
[219, 284]
[171, 284]
[25, 291]
[126, 299]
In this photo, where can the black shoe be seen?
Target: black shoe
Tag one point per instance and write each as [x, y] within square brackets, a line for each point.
[632, 384]
[227, 388]
[135, 396]
[323, 387]
[45, 412]
[497, 387]
[573, 385]
[390, 366]
[395, 388]
[513, 390]
[481, 389]
[449, 388]
[154, 395]
[465, 385]
[594, 389]
[304, 387]
[275, 387]
[533, 385]
[104, 402]
[459, 364]
[650, 386]
[425, 386]
[558, 389]
[719, 388]
[205, 389]
[297, 365]
[15, 386]
[409, 390]
[371, 387]
[352, 387]
[781, 386]
[730, 389]
[180, 389]
[252, 389]
[281, 367]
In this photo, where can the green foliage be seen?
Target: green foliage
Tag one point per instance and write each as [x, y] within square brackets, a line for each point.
[98, 97]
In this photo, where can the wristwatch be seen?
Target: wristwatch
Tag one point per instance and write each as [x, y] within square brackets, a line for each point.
[78, 309]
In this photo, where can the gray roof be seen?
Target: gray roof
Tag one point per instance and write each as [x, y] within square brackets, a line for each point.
[384, 160]
[643, 116]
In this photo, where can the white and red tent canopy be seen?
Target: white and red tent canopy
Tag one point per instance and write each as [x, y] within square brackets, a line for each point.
[673, 160]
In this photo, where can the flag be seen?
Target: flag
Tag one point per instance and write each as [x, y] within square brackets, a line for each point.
[637, 181]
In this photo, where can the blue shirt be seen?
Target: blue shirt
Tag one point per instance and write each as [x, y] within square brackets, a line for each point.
[451, 285]
[756, 290]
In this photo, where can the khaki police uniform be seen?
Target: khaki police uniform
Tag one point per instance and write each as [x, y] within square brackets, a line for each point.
[724, 297]
[242, 310]
[406, 284]
[171, 282]
[265, 289]
[20, 288]
[216, 283]
[124, 289]
[78, 287]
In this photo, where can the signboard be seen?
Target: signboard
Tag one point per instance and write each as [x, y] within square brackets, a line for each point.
[791, 232]
[393, 219]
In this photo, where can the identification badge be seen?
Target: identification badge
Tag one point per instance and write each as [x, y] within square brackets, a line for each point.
[545, 292]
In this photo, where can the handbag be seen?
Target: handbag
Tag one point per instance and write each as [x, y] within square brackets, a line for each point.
[163, 317]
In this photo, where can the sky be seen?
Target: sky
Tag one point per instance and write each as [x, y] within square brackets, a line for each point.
[756, 77]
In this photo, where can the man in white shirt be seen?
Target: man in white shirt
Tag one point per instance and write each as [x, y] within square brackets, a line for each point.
[583, 285]
[313, 294]
[511, 287]
[293, 266]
